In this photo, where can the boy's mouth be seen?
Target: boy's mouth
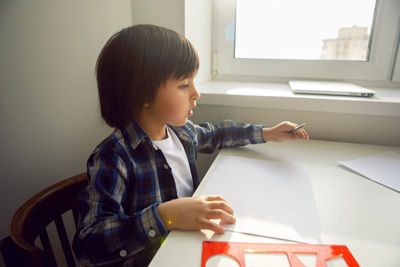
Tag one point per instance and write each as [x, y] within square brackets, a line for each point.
[190, 113]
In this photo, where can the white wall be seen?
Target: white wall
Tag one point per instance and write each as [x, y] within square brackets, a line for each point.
[49, 111]
[169, 13]
[198, 18]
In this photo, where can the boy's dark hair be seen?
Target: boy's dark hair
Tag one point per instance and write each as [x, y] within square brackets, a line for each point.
[134, 63]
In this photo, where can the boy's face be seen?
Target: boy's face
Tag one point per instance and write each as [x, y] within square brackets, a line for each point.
[175, 101]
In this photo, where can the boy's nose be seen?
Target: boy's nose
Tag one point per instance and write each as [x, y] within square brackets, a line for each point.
[196, 94]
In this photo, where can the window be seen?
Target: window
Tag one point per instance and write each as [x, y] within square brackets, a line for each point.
[317, 39]
[293, 29]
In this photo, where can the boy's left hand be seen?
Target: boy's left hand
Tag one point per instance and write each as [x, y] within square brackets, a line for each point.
[281, 132]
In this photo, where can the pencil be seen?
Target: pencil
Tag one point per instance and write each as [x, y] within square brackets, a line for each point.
[298, 128]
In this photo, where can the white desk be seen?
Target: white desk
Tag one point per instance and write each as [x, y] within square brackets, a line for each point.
[354, 211]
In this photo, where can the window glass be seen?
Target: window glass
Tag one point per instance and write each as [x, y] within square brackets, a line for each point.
[304, 29]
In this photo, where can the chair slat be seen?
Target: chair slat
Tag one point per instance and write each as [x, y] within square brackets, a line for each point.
[44, 238]
[64, 241]
[75, 214]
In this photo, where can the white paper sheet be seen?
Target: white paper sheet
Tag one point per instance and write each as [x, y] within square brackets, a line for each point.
[269, 198]
[383, 168]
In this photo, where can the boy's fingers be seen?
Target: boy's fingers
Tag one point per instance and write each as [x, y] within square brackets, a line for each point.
[287, 127]
[221, 205]
[215, 198]
[230, 220]
[301, 134]
[225, 217]
[293, 125]
[219, 229]
[305, 134]
[289, 136]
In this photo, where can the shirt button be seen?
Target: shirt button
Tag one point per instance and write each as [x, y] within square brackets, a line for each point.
[123, 253]
[152, 233]
[166, 166]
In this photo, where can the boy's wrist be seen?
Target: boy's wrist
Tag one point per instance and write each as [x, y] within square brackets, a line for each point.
[266, 132]
[162, 210]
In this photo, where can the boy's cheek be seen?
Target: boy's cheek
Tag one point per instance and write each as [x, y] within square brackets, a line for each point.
[173, 113]
[176, 110]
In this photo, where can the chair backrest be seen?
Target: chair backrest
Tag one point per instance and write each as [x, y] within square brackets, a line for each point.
[31, 219]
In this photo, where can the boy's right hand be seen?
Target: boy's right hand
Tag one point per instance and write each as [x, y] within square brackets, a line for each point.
[194, 213]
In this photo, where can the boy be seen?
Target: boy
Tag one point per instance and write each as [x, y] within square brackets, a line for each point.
[142, 177]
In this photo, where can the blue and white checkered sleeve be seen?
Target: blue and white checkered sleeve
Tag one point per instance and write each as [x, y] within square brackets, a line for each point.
[227, 133]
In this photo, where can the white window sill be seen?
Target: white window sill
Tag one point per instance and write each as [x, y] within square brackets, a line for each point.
[386, 101]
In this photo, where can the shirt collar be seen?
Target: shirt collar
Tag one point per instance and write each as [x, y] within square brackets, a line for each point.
[183, 132]
[136, 135]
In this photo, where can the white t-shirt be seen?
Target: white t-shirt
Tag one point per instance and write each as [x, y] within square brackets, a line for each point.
[174, 152]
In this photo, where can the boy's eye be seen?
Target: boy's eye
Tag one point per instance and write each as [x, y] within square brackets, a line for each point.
[184, 86]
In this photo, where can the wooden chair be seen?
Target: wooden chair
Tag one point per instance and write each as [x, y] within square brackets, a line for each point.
[31, 219]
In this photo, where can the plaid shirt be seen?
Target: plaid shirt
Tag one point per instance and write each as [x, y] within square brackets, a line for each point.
[128, 179]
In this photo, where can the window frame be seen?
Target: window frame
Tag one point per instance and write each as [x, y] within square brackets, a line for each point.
[382, 65]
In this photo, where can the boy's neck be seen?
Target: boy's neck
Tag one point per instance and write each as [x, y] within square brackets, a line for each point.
[154, 129]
